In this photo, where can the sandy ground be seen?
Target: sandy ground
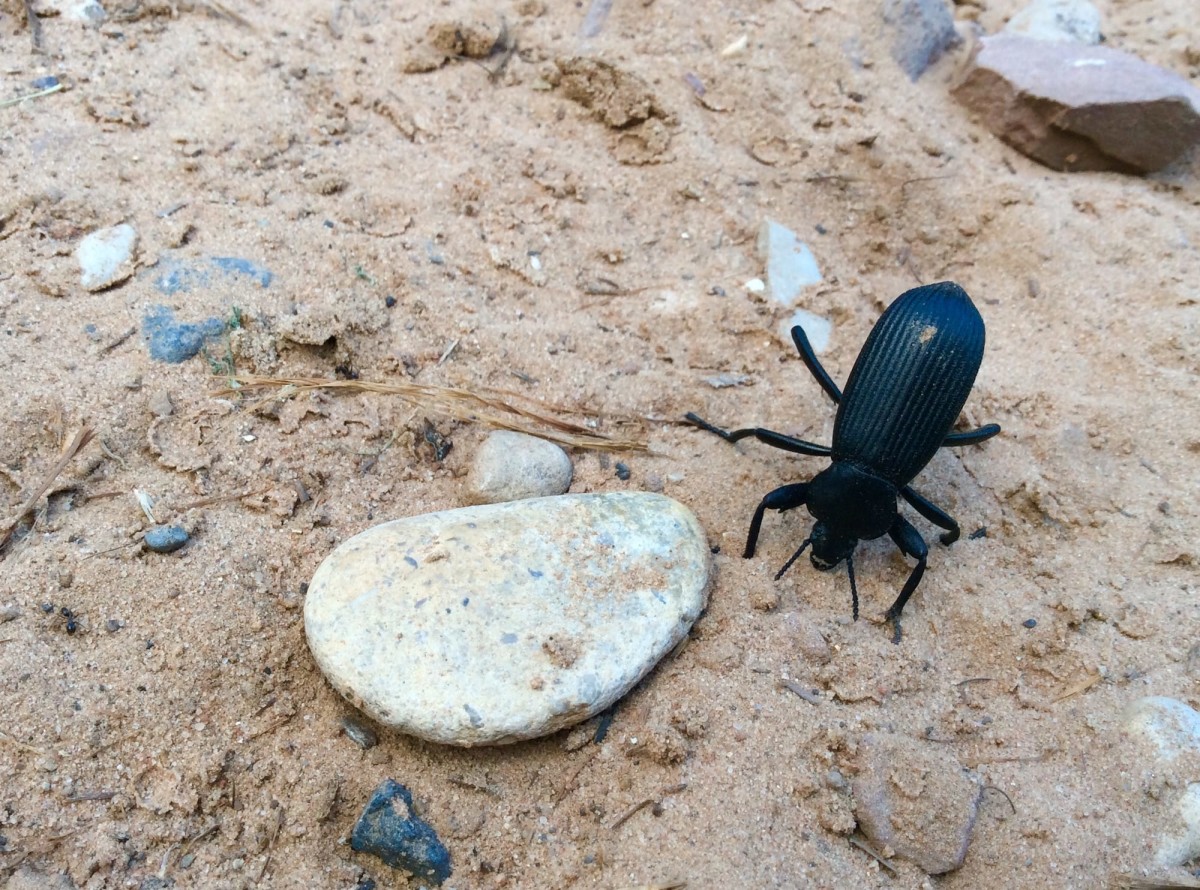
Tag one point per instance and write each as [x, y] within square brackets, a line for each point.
[182, 736]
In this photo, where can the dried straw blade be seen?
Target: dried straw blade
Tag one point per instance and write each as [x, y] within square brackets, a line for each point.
[493, 409]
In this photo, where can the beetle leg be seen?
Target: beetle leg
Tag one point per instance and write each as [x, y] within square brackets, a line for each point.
[933, 513]
[783, 498]
[971, 437]
[853, 586]
[767, 437]
[910, 542]
[813, 364]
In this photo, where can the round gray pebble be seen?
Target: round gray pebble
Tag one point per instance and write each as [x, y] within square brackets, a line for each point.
[510, 466]
[1166, 737]
[496, 623]
[166, 538]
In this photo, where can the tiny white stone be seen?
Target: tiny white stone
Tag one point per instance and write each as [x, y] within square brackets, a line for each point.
[501, 622]
[755, 285]
[509, 466]
[732, 49]
[105, 256]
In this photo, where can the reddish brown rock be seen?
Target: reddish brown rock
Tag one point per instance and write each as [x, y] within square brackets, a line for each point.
[1076, 107]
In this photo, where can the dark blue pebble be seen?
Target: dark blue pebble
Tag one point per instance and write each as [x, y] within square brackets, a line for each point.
[166, 538]
[174, 342]
[235, 265]
[1029, 622]
[178, 274]
[388, 829]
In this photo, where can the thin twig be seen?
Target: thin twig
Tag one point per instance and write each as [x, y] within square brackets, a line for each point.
[73, 448]
[806, 694]
[855, 842]
[1132, 882]
[629, 813]
[24, 747]
[35, 27]
[1077, 688]
[90, 795]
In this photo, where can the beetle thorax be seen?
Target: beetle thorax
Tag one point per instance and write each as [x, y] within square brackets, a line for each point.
[851, 503]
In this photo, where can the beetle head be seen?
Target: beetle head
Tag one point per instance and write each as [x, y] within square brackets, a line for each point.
[829, 549]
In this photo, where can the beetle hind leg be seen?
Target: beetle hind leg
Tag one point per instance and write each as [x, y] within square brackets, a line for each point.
[933, 513]
[767, 437]
[971, 437]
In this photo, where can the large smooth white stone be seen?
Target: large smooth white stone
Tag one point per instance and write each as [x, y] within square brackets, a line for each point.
[496, 623]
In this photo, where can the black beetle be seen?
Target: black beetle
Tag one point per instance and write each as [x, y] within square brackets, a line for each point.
[907, 387]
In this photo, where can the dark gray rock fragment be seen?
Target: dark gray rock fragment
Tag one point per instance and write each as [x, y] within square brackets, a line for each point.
[166, 538]
[921, 31]
[389, 829]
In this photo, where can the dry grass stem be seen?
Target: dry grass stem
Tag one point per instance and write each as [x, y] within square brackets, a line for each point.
[494, 409]
[72, 448]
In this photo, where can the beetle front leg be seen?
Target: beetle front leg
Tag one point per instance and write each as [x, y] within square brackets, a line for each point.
[933, 513]
[786, 497]
[910, 542]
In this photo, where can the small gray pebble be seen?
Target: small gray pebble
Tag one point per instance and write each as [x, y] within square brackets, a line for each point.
[166, 538]
[359, 733]
[9, 613]
[623, 472]
[112, 625]
[512, 466]
[160, 403]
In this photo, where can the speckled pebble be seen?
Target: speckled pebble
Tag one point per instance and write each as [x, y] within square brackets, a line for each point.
[510, 466]
[166, 538]
[501, 622]
[1166, 736]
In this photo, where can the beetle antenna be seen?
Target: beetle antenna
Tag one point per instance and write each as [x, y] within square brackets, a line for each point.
[795, 556]
[853, 586]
